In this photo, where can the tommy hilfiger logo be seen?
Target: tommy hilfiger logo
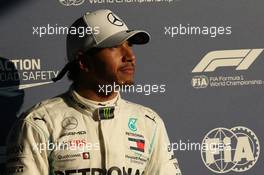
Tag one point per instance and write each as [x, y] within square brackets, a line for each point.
[136, 144]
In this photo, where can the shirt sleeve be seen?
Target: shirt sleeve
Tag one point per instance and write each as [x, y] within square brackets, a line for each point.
[162, 160]
[24, 150]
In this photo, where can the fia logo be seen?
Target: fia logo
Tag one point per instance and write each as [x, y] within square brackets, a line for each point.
[224, 150]
[200, 81]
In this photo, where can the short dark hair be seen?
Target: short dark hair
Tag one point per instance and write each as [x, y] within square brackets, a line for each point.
[74, 71]
[74, 67]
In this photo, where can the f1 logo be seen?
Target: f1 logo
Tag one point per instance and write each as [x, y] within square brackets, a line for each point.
[241, 58]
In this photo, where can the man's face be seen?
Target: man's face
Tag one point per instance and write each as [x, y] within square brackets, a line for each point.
[115, 64]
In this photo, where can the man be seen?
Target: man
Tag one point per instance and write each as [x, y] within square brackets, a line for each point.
[86, 131]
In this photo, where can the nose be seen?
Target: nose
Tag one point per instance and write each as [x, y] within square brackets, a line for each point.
[128, 55]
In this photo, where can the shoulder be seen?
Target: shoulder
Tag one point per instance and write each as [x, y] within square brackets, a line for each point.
[43, 116]
[43, 108]
[33, 121]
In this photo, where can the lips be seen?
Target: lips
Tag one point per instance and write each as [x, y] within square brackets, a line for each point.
[128, 69]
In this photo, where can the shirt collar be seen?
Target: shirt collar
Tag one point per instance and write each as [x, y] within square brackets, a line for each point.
[91, 105]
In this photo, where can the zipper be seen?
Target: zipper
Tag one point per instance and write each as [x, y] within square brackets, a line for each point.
[102, 145]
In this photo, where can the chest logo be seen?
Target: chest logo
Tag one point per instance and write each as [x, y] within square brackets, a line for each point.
[69, 123]
[106, 113]
[137, 145]
[132, 124]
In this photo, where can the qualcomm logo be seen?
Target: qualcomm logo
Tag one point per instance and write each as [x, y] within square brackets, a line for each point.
[241, 58]
[224, 150]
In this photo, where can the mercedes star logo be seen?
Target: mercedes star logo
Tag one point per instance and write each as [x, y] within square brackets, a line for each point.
[69, 123]
[71, 2]
[113, 19]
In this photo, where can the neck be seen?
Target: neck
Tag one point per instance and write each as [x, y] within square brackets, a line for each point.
[94, 94]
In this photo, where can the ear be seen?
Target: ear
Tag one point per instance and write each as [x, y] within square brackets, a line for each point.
[82, 61]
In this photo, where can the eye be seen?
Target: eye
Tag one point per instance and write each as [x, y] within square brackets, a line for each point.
[130, 44]
[116, 46]
[113, 47]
